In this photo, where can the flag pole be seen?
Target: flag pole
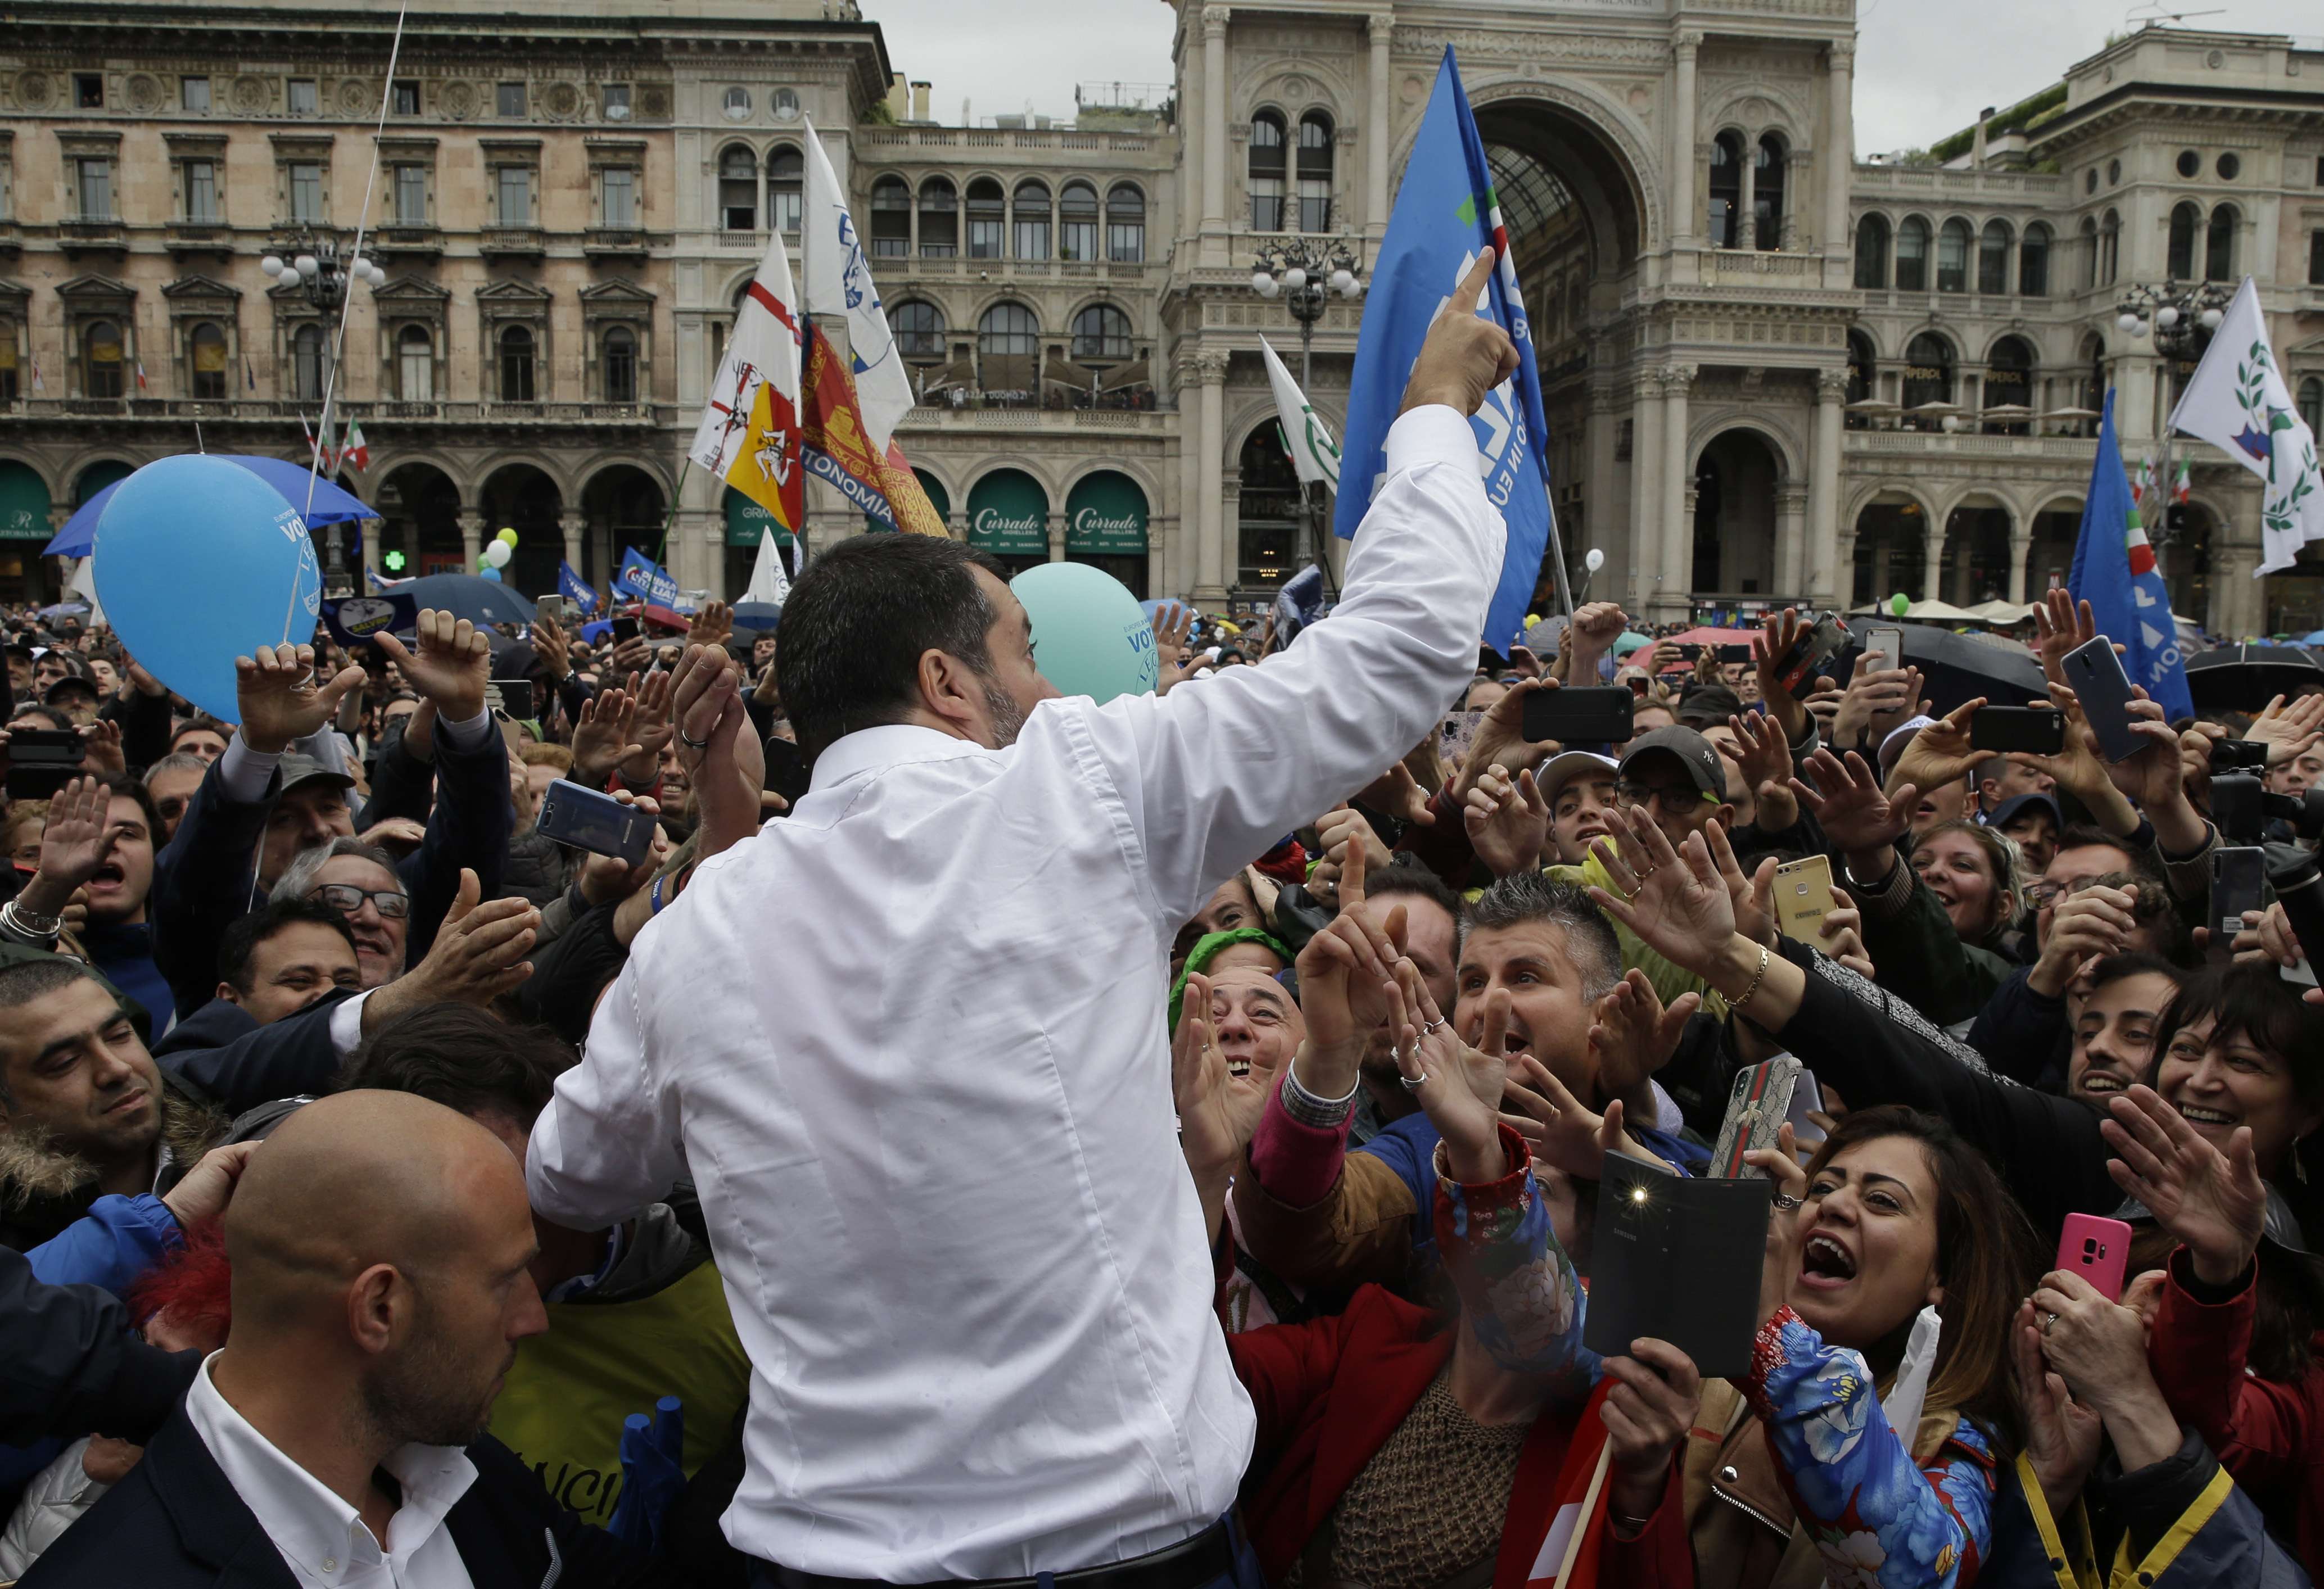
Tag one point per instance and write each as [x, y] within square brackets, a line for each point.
[661, 553]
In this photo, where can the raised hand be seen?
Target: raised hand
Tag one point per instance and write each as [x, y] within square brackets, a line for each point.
[1447, 1077]
[1876, 701]
[1778, 634]
[1508, 822]
[601, 737]
[1634, 1036]
[2287, 730]
[725, 763]
[1656, 1393]
[1172, 624]
[2215, 1203]
[2097, 1347]
[1858, 817]
[74, 844]
[650, 727]
[1675, 902]
[2077, 769]
[452, 666]
[1397, 793]
[549, 644]
[1842, 938]
[1939, 754]
[2059, 626]
[605, 878]
[208, 1186]
[478, 955]
[1787, 1228]
[100, 745]
[279, 698]
[711, 625]
[1343, 831]
[1342, 972]
[2062, 1436]
[1594, 630]
[1500, 738]
[1218, 1110]
[1764, 754]
[1463, 356]
[2095, 922]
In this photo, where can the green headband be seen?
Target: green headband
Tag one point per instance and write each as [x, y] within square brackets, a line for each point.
[1206, 949]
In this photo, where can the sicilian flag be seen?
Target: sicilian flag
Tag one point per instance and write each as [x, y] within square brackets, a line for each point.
[839, 283]
[749, 435]
[2114, 571]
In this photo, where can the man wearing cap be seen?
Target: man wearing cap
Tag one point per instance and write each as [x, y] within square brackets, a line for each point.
[77, 697]
[2034, 819]
[1578, 786]
[2002, 779]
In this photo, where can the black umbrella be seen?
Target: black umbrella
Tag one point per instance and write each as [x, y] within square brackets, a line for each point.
[2244, 678]
[471, 596]
[1956, 667]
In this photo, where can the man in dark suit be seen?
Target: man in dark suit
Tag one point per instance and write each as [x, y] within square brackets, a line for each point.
[380, 1246]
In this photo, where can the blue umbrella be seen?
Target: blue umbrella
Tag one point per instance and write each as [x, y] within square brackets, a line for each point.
[762, 616]
[470, 596]
[331, 505]
[2314, 639]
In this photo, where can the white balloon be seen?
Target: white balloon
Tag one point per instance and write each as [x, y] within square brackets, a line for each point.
[497, 553]
[1593, 560]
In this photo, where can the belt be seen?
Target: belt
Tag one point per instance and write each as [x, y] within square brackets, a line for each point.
[1209, 1555]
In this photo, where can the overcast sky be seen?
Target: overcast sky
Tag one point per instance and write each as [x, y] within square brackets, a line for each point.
[1922, 70]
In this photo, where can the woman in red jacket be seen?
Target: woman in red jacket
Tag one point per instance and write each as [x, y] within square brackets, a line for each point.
[1401, 1449]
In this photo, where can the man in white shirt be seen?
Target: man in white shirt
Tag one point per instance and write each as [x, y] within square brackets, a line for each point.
[910, 1042]
[380, 1246]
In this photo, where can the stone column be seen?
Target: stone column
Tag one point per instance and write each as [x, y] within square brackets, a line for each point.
[1194, 134]
[2021, 548]
[1678, 528]
[1843, 571]
[1210, 544]
[373, 529]
[1182, 576]
[1058, 535]
[1839, 157]
[1794, 556]
[1933, 569]
[1381, 26]
[1646, 492]
[572, 523]
[1215, 119]
[1827, 580]
[2133, 410]
[472, 538]
[1684, 218]
[1747, 225]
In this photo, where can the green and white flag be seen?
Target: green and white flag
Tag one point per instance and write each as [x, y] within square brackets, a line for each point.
[2238, 402]
[1314, 453]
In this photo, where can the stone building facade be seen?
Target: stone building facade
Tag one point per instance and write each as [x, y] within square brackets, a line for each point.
[1770, 370]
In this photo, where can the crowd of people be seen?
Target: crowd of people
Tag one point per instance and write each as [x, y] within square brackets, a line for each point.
[378, 1173]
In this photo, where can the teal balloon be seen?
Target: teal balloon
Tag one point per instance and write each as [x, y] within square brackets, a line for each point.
[198, 562]
[1091, 637]
[490, 573]
[1900, 603]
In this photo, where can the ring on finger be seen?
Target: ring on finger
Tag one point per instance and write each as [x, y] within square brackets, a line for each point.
[1415, 1083]
[2047, 1320]
[1432, 1025]
[690, 742]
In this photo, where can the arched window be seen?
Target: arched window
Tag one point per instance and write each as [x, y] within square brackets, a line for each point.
[988, 220]
[2034, 262]
[1872, 252]
[939, 219]
[1266, 171]
[1125, 223]
[516, 364]
[1007, 349]
[1101, 336]
[415, 365]
[2110, 246]
[1725, 188]
[2090, 251]
[101, 359]
[1077, 222]
[1953, 256]
[1266, 509]
[2220, 244]
[2009, 380]
[307, 364]
[918, 328]
[1863, 379]
[1993, 258]
[2311, 404]
[1928, 371]
[1913, 255]
[785, 203]
[1031, 205]
[1767, 190]
[206, 360]
[1314, 172]
[892, 218]
[2186, 221]
[618, 359]
[738, 190]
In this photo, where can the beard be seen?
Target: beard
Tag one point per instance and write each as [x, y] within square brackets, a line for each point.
[425, 1395]
[1008, 717]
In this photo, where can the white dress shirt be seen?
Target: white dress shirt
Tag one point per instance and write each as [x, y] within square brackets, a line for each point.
[910, 1043]
[324, 1541]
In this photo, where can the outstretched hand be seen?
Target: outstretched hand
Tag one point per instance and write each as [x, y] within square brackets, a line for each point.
[1464, 355]
[1674, 900]
[2215, 1203]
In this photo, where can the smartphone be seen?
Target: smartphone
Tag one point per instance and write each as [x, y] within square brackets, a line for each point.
[513, 696]
[624, 629]
[1883, 649]
[2041, 729]
[1590, 715]
[2238, 884]
[1802, 895]
[557, 609]
[1796, 670]
[42, 761]
[589, 820]
[1734, 654]
[2098, 1249]
[2095, 674]
[1757, 1107]
[787, 770]
[1458, 732]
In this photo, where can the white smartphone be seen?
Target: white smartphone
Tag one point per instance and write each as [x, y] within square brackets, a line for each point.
[1882, 648]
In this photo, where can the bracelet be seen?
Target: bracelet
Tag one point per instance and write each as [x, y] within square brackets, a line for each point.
[29, 925]
[1735, 1006]
[654, 900]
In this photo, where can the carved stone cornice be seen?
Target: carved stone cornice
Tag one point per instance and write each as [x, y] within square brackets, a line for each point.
[1678, 380]
[1214, 20]
[1688, 41]
[1209, 365]
[1831, 386]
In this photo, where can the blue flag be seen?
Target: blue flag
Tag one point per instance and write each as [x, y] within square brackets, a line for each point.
[645, 579]
[1446, 214]
[574, 588]
[2114, 571]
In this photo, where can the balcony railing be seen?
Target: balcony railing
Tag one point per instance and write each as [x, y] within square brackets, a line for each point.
[269, 410]
[97, 234]
[512, 241]
[614, 241]
[407, 242]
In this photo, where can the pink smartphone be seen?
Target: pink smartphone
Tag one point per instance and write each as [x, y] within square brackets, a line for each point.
[2098, 1250]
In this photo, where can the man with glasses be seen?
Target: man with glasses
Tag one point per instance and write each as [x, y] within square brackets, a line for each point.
[1674, 776]
[360, 882]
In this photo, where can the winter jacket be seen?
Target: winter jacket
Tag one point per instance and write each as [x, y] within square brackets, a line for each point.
[1915, 953]
[538, 867]
[112, 1246]
[70, 1364]
[125, 953]
[2022, 1035]
[222, 1056]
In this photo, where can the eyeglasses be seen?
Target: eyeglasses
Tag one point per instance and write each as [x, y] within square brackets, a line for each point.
[348, 898]
[2040, 894]
[1672, 795]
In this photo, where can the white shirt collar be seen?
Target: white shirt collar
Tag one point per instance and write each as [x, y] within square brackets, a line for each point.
[888, 745]
[317, 1531]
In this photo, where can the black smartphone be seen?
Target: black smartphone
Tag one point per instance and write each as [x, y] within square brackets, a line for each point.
[1590, 714]
[2038, 729]
[624, 629]
[1796, 669]
[589, 820]
[2095, 674]
[513, 696]
[787, 770]
[42, 761]
[1734, 654]
[2238, 884]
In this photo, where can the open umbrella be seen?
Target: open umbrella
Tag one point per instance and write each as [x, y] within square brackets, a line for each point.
[331, 505]
[758, 616]
[1955, 668]
[472, 597]
[1935, 611]
[2242, 678]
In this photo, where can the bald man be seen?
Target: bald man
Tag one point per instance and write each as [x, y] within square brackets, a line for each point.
[379, 1244]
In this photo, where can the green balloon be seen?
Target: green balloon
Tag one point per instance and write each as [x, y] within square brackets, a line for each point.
[1094, 638]
[507, 538]
[1900, 603]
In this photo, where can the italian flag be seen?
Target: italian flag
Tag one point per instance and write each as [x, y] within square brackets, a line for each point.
[2142, 554]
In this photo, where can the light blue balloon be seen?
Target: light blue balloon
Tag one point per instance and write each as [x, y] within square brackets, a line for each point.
[490, 573]
[198, 562]
[1092, 636]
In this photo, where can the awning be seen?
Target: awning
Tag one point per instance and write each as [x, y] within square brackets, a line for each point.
[1105, 516]
[24, 504]
[1008, 515]
[746, 521]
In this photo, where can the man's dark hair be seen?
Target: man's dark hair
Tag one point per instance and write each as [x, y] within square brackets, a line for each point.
[26, 981]
[470, 1062]
[2090, 836]
[859, 621]
[1405, 876]
[1707, 706]
[246, 933]
[1534, 896]
[136, 789]
[203, 721]
[2134, 963]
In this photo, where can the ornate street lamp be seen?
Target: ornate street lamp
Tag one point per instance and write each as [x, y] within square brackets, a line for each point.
[324, 279]
[2181, 317]
[1307, 274]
